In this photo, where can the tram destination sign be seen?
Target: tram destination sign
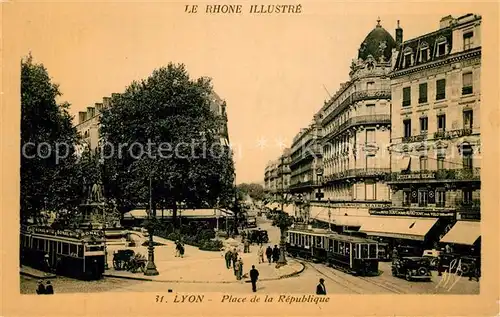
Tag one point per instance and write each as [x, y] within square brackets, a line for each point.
[76, 234]
[409, 212]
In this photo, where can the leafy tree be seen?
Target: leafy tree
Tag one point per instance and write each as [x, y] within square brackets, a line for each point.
[167, 115]
[48, 141]
[255, 191]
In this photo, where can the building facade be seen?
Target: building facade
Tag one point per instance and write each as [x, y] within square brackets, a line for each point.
[435, 141]
[356, 129]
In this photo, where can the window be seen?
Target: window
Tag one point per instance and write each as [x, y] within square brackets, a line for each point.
[65, 249]
[468, 40]
[406, 96]
[370, 161]
[407, 60]
[467, 196]
[468, 119]
[370, 190]
[424, 55]
[467, 83]
[423, 163]
[440, 89]
[370, 109]
[441, 49]
[370, 136]
[423, 198]
[406, 197]
[440, 162]
[422, 93]
[424, 123]
[441, 119]
[407, 128]
[467, 156]
[370, 85]
[440, 197]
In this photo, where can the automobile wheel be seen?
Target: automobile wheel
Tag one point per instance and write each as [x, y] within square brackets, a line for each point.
[408, 276]
[465, 268]
[422, 270]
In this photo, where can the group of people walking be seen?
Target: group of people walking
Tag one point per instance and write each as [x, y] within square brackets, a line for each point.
[234, 261]
[272, 254]
[44, 289]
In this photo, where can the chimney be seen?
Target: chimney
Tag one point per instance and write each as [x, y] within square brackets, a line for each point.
[81, 116]
[90, 112]
[106, 101]
[399, 35]
[445, 22]
[98, 107]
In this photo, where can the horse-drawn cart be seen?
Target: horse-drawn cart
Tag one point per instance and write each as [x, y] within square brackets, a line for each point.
[128, 260]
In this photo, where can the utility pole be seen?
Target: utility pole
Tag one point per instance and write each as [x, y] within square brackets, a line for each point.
[151, 267]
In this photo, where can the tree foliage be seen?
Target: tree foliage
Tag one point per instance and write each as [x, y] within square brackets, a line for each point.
[255, 191]
[167, 115]
[49, 176]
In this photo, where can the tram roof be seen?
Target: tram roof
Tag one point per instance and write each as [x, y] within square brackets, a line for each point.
[332, 235]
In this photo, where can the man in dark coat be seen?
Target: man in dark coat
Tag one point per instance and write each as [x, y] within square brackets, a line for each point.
[49, 289]
[254, 276]
[41, 288]
[269, 254]
[228, 257]
[235, 259]
[321, 289]
[276, 254]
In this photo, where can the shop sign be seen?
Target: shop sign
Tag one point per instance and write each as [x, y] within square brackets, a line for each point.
[414, 213]
[416, 176]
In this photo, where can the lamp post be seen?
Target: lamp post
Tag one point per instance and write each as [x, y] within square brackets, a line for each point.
[150, 267]
[329, 216]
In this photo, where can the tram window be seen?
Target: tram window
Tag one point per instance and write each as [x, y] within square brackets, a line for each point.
[355, 253]
[364, 251]
[347, 249]
[80, 251]
[72, 248]
[65, 248]
[330, 245]
[372, 250]
[341, 247]
[335, 246]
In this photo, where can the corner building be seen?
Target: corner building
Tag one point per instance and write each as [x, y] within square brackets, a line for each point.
[356, 133]
[435, 140]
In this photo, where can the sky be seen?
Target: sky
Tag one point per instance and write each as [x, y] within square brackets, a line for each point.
[274, 71]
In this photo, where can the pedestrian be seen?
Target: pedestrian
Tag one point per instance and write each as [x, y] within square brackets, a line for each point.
[41, 288]
[240, 268]
[236, 268]
[235, 259]
[46, 264]
[247, 246]
[260, 254]
[181, 250]
[321, 289]
[254, 276]
[49, 289]
[269, 254]
[276, 254]
[228, 256]
[177, 248]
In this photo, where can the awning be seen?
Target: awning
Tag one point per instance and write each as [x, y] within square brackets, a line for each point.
[405, 163]
[463, 232]
[397, 227]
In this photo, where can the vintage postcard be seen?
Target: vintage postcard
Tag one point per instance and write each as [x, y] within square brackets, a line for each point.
[249, 158]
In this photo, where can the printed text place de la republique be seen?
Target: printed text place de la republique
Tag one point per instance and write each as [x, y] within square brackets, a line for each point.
[238, 9]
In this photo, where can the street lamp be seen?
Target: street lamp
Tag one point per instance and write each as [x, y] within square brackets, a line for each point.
[329, 216]
[150, 267]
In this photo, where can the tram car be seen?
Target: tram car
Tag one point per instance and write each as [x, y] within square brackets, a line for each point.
[355, 255]
[78, 254]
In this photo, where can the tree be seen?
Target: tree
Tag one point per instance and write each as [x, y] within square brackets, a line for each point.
[283, 221]
[255, 191]
[168, 118]
[48, 141]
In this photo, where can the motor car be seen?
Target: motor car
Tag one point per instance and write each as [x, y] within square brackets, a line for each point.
[411, 268]
[433, 256]
[450, 262]
[257, 236]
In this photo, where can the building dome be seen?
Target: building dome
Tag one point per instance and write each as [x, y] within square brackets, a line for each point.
[377, 43]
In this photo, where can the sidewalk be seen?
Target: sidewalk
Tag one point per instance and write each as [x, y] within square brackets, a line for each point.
[31, 272]
[202, 266]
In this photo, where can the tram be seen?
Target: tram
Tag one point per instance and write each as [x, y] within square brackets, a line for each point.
[79, 254]
[356, 255]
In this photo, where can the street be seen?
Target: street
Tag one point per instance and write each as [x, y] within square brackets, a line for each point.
[305, 283]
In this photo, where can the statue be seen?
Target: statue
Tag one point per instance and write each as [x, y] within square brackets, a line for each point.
[95, 194]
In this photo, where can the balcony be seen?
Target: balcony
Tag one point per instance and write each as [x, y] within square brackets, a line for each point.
[357, 96]
[414, 138]
[452, 134]
[359, 120]
[473, 174]
[301, 185]
[358, 172]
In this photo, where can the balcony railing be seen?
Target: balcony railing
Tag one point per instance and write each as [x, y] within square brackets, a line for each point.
[301, 185]
[359, 120]
[358, 172]
[415, 138]
[448, 174]
[357, 96]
